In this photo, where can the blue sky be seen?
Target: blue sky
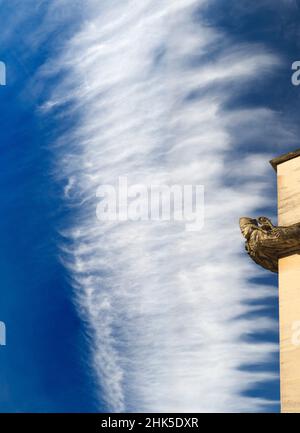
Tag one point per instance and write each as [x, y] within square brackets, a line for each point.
[128, 318]
[44, 363]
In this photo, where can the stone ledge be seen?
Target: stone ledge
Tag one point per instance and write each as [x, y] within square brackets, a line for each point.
[286, 157]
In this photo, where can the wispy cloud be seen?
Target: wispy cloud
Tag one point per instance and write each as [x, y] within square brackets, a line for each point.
[150, 89]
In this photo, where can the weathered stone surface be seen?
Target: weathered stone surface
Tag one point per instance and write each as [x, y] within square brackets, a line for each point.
[289, 312]
[288, 176]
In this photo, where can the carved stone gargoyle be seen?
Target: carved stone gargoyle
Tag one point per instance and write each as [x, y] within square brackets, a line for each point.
[266, 243]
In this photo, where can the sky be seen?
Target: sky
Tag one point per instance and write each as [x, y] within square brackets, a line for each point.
[140, 316]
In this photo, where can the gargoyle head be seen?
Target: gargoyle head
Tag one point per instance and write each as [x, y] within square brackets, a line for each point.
[265, 223]
[247, 225]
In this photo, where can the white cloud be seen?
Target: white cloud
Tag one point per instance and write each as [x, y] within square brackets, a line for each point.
[161, 303]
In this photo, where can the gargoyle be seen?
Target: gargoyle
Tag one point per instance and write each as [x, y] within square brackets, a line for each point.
[266, 243]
